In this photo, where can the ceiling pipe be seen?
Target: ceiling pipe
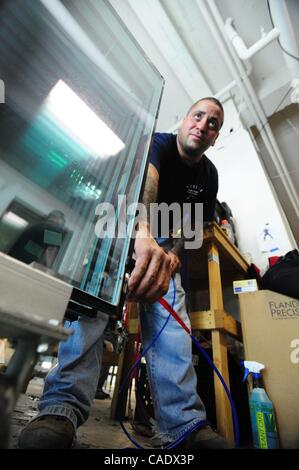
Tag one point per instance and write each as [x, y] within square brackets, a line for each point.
[236, 67]
[285, 16]
[225, 53]
[243, 52]
[218, 95]
[261, 119]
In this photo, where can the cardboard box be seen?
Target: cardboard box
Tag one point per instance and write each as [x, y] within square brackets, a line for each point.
[270, 326]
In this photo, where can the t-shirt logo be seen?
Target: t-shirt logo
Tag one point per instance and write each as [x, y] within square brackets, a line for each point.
[193, 191]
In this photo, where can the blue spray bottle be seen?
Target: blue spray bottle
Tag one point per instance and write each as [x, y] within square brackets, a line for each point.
[262, 416]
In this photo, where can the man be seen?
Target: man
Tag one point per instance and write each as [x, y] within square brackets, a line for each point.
[178, 169]
[41, 242]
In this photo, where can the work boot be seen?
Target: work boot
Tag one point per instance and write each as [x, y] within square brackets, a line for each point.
[205, 438]
[101, 395]
[47, 432]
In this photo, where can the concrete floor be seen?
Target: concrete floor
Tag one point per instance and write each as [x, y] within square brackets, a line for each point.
[99, 432]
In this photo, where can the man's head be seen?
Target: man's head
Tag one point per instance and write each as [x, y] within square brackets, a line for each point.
[200, 129]
[56, 217]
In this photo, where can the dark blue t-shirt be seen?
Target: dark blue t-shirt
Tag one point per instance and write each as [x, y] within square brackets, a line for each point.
[179, 182]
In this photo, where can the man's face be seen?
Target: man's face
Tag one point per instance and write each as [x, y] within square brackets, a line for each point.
[200, 128]
[56, 220]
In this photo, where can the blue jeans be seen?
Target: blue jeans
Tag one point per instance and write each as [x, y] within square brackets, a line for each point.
[70, 387]
[170, 370]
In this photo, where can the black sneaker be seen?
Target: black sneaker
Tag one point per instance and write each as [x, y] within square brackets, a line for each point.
[101, 395]
[47, 432]
[205, 438]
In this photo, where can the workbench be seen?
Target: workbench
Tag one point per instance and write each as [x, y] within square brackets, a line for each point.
[217, 262]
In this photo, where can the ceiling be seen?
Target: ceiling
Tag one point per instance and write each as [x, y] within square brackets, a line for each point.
[188, 43]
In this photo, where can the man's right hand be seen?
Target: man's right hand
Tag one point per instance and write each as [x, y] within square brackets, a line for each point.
[151, 275]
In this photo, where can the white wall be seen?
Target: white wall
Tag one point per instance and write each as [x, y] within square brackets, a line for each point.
[246, 189]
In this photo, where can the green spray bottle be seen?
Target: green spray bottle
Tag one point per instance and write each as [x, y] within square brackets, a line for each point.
[263, 425]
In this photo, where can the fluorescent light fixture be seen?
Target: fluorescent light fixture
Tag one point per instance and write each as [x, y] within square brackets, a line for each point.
[83, 123]
[13, 219]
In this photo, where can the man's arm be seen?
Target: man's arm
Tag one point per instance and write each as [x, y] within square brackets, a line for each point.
[151, 276]
[150, 195]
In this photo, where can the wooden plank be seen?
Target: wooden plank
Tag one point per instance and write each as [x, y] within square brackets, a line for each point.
[233, 265]
[223, 412]
[218, 248]
[215, 319]
[133, 325]
[224, 321]
[202, 320]
[132, 318]
[115, 397]
[231, 326]
[132, 309]
[223, 407]
[215, 233]
[215, 287]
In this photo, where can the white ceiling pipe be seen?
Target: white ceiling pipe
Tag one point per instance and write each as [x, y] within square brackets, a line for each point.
[219, 36]
[285, 15]
[265, 131]
[268, 137]
[218, 95]
[243, 52]
[225, 54]
[261, 119]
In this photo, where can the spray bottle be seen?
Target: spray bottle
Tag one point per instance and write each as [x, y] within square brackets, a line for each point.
[262, 416]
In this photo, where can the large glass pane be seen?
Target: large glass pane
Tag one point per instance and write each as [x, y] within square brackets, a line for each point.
[80, 106]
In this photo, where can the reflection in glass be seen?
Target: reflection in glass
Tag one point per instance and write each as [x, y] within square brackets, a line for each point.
[80, 122]
[80, 108]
